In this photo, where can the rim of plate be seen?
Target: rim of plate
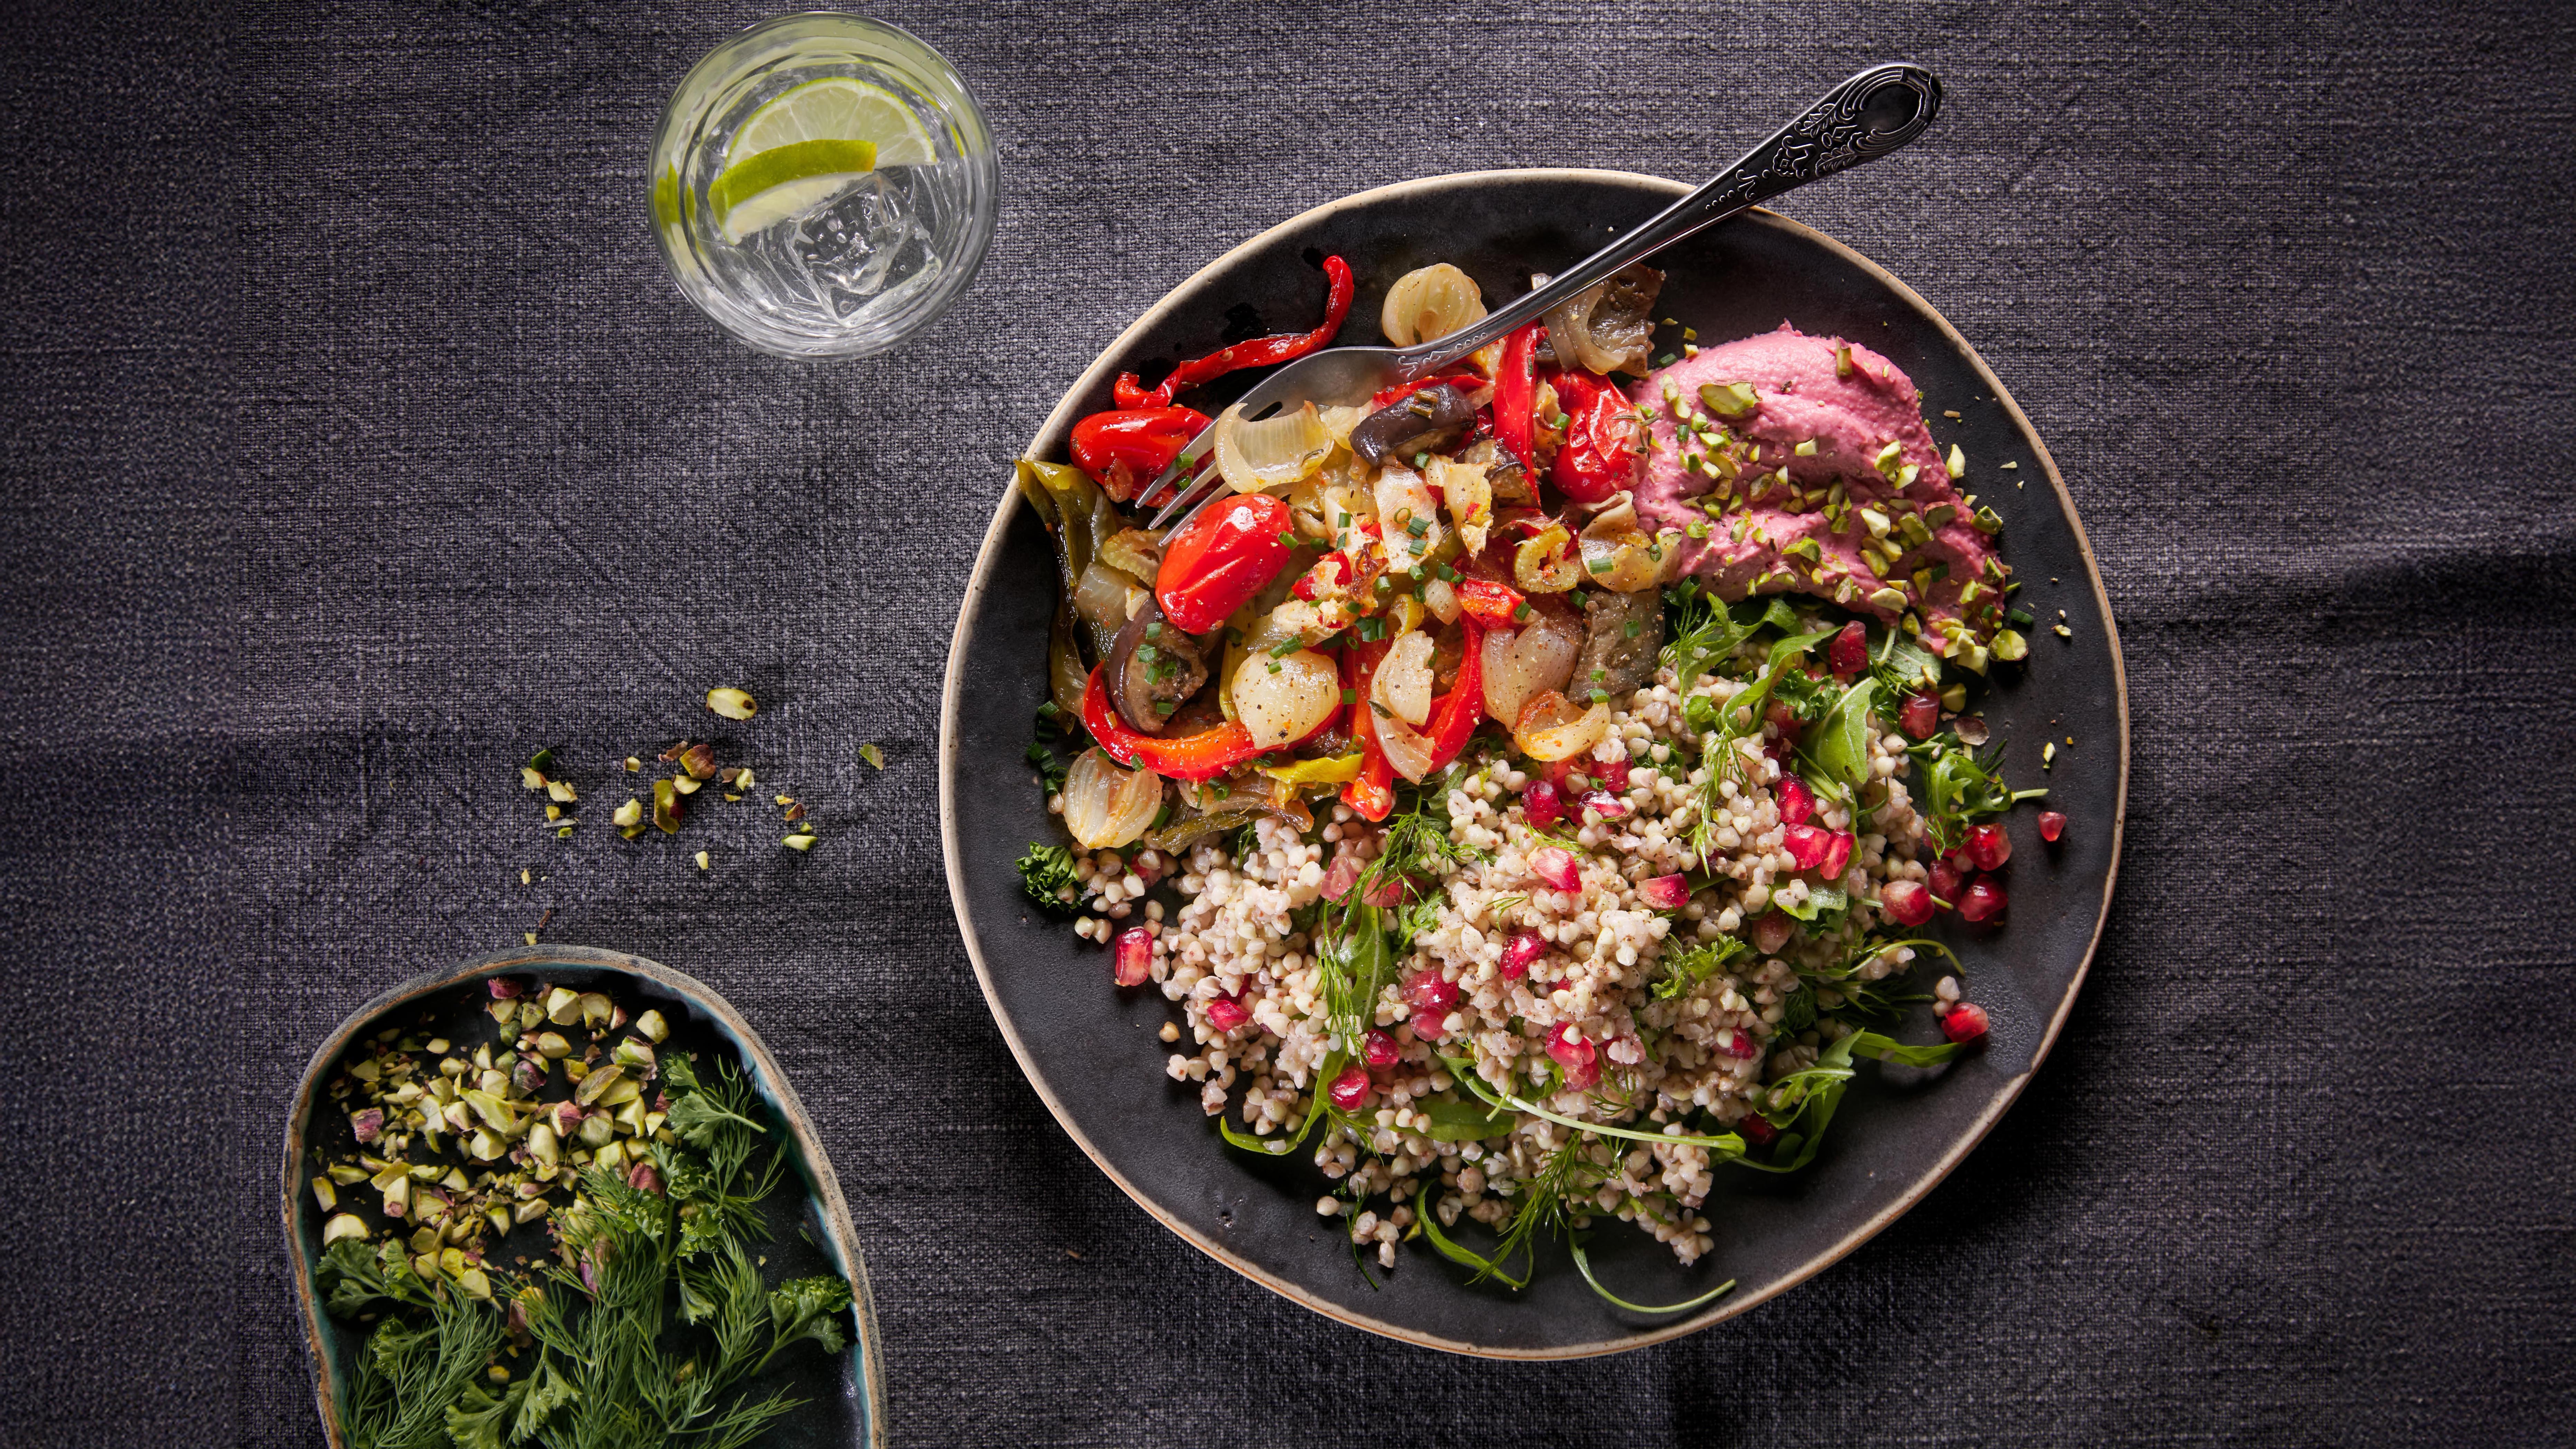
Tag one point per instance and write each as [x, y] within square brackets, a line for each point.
[1060, 420]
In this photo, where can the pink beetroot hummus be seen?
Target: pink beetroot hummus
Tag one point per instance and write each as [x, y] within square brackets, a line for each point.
[1879, 530]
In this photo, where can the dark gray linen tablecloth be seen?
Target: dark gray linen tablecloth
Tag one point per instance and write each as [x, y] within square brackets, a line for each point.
[355, 444]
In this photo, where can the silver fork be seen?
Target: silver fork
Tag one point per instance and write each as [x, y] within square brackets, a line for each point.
[1861, 119]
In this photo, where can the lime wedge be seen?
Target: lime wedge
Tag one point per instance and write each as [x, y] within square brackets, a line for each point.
[767, 187]
[836, 108]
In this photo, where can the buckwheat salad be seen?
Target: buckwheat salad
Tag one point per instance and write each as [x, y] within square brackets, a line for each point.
[1533, 785]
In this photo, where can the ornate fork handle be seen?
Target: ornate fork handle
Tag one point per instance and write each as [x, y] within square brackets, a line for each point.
[1862, 119]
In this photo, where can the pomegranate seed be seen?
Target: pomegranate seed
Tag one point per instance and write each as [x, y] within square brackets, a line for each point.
[1838, 853]
[1966, 1022]
[1427, 990]
[1906, 902]
[1392, 891]
[1945, 880]
[1343, 874]
[1524, 948]
[1665, 892]
[1984, 900]
[1350, 1088]
[1807, 845]
[1739, 1044]
[1541, 804]
[1558, 869]
[1772, 932]
[1756, 1130]
[1378, 1049]
[1225, 1014]
[1783, 719]
[1797, 802]
[1988, 846]
[1132, 959]
[1849, 653]
[1581, 1062]
[2051, 825]
[1605, 804]
[1920, 715]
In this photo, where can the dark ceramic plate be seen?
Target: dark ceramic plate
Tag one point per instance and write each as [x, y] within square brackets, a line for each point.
[1090, 1050]
[809, 1224]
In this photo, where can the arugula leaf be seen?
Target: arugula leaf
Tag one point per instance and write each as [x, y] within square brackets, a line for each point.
[1901, 666]
[1840, 747]
[1045, 870]
[1959, 787]
[1888, 1049]
[1456, 1121]
[1574, 1244]
[1823, 910]
[1706, 631]
[1725, 1144]
[1686, 969]
[1458, 1253]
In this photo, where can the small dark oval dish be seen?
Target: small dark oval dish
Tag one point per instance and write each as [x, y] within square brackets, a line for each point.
[1091, 1051]
[844, 1395]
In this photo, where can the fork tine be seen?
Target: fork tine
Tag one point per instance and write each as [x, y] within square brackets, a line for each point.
[1206, 489]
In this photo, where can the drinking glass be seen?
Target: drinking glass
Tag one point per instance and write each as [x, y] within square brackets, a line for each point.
[778, 225]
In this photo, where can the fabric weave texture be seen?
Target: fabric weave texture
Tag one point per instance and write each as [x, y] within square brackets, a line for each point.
[356, 445]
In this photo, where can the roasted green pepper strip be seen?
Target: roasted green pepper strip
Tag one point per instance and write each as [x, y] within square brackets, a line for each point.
[1180, 835]
[1066, 673]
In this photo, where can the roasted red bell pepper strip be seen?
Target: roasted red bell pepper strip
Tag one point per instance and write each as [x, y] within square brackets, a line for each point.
[1600, 453]
[1455, 715]
[1131, 391]
[1516, 396]
[1146, 440]
[1197, 757]
[1226, 555]
[1496, 606]
[1373, 793]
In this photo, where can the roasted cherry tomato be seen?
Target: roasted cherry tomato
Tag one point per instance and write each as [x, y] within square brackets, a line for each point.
[1223, 557]
[1600, 453]
[1127, 449]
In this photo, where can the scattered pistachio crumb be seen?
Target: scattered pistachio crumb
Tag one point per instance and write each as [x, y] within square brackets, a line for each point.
[704, 860]
[524, 878]
[634, 765]
[731, 703]
[800, 841]
[2048, 755]
[1951, 413]
[531, 935]
[873, 755]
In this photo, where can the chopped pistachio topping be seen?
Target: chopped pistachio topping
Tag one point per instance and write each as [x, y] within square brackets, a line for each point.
[1734, 400]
